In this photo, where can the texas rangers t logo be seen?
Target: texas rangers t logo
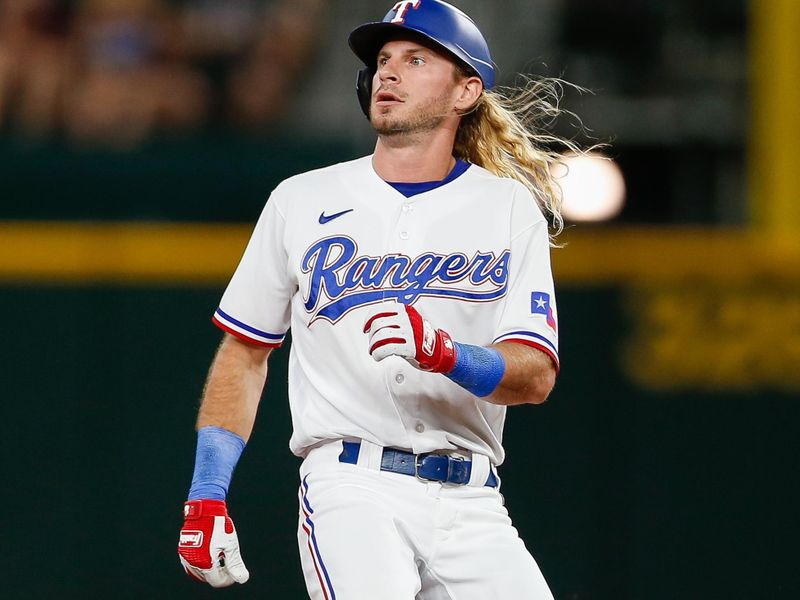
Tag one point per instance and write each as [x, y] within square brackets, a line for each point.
[402, 9]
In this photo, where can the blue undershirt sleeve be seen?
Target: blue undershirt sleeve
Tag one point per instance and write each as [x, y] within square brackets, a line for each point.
[477, 369]
[218, 451]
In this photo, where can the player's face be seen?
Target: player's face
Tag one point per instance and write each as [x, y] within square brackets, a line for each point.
[414, 89]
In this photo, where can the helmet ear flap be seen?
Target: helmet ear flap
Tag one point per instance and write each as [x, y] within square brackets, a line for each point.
[364, 88]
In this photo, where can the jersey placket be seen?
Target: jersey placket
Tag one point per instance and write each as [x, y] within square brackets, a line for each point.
[399, 376]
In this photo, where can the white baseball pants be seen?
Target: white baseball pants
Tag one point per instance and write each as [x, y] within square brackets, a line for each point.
[365, 534]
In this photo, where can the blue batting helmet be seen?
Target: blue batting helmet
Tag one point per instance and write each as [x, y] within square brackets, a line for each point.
[444, 25]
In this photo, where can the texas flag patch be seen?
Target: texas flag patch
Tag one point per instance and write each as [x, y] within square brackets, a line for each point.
[540, 305]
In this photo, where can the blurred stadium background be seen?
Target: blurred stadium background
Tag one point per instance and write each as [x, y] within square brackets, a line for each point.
[138, 142]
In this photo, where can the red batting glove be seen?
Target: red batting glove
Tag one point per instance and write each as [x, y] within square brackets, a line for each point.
[208, 547]
[399, 330]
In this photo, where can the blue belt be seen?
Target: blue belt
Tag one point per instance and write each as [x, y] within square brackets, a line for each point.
[431, 467]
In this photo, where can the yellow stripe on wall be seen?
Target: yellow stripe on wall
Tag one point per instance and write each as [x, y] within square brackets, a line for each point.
[775, 99]
[672, 254]
[187, 254]
[124, 252]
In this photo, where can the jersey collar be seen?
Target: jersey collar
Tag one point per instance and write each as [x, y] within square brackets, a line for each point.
[412, 189]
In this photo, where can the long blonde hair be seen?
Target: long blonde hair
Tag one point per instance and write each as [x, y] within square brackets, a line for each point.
[505, 133]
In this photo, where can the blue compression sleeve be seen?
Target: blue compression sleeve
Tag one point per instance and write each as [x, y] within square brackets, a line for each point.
[218, 451]
[478, 369]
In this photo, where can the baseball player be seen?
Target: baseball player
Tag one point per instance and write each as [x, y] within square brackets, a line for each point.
[417, 285]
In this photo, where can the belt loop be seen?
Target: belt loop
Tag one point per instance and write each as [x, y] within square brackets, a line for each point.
[480, 470]
[370, 455]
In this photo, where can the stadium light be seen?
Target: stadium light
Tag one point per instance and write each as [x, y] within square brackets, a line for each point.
[593, 188]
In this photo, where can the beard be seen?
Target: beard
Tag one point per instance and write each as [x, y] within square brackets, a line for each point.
[425, 118]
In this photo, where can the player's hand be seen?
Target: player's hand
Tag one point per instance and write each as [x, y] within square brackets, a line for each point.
[208, 547]
[399, 330]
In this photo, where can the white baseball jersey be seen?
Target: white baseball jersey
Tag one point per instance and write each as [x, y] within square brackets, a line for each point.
[471, 255]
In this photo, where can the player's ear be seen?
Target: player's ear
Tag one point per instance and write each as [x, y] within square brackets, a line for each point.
[471, 89]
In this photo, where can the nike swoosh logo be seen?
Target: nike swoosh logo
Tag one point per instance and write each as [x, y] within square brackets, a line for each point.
[323, 218]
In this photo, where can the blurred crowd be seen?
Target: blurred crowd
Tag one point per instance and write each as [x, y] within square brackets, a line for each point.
[117, 72]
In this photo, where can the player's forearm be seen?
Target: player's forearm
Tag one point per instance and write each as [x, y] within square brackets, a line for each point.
[529, 375]
[234, 386]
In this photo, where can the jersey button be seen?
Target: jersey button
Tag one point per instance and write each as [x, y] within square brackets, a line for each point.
[399, 378]
[407, 208]
[420, 427]
[403, 235]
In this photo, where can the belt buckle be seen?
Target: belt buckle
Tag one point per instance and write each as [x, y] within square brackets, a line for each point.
[418, 463]
[450, 460]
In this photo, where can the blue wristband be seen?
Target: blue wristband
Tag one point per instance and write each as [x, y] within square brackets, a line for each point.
[477, 369]
[218, 451]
